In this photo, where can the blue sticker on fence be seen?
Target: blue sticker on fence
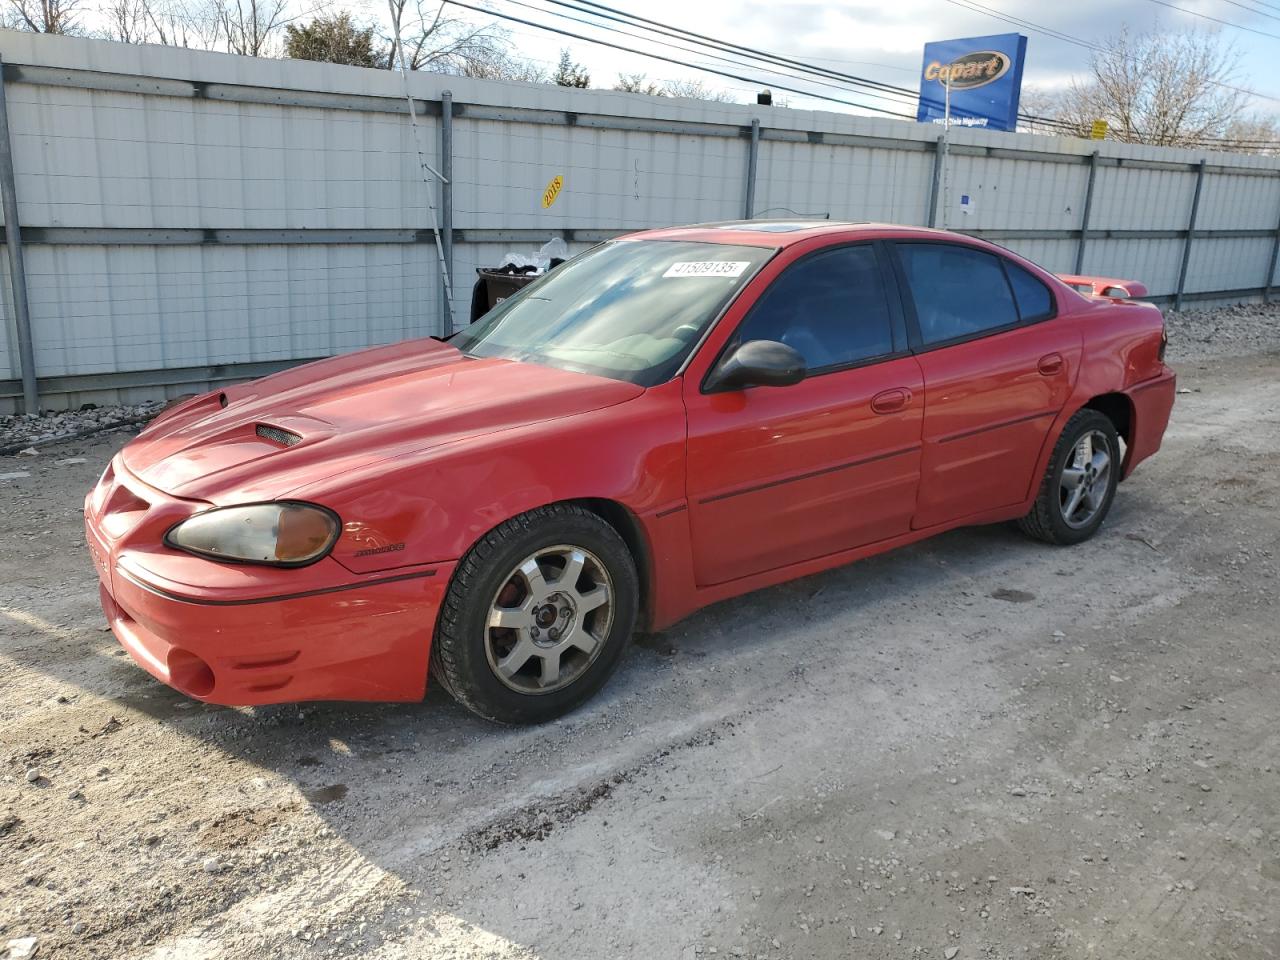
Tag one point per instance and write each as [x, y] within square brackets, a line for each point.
[985, 75]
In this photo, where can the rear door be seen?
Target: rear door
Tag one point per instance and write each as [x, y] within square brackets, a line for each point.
[778, 475]
[998, 366]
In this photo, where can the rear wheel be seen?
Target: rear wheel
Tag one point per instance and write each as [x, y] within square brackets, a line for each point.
[1080, 482]
[537, 615]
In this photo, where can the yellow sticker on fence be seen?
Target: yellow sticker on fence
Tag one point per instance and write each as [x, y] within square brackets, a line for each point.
[553, 190]
[1098, 131]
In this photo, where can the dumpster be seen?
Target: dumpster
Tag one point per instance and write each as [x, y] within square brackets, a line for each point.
[495, 284]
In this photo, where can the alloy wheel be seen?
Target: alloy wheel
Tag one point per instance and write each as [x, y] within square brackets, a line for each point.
[549, 620]
[1086, 478]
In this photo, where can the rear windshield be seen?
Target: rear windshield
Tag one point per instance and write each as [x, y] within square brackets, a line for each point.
[630, 310]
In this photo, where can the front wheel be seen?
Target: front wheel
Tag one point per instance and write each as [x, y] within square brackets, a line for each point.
[1079, 484]
[537, 615]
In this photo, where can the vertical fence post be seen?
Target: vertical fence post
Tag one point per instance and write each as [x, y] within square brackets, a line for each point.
[1271, 270]
[1084, 214]
[935, 187]
[749, 196]
[1191, 232]
[17, 270]
[446, 207]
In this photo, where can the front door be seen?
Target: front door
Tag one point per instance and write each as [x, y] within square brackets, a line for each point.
[778, 475]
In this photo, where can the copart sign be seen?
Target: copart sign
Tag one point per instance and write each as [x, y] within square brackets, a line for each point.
[985, 79]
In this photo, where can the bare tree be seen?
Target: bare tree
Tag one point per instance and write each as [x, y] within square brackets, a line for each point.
[1168, 89]
[432, 41]
[689, 89]
[506, 67]
[1254, 133]
[695, 90]
[184, 23]
[174, 23]
[250, 27]
[1039, 111]
[638, 83]
[43, 16]
[127, 21]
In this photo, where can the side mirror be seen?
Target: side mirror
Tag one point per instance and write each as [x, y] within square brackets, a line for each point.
[757, 363]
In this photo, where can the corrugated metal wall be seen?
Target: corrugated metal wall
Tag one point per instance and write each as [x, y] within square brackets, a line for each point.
[192, 217]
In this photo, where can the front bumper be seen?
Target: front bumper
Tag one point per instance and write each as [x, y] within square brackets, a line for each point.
[242, 635]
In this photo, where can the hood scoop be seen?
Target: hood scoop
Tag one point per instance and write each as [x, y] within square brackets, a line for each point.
[285, 438]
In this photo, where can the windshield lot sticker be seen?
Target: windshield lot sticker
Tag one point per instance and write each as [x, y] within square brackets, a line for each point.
[707, 268]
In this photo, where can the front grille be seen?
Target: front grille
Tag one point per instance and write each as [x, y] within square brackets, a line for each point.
[283, 437]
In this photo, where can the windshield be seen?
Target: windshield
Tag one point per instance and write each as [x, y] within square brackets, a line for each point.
[630, 310]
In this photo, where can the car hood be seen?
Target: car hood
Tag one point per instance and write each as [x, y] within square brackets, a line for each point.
[262, 439]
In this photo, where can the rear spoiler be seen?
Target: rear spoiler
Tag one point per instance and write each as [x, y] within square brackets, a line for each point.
[1106, 287]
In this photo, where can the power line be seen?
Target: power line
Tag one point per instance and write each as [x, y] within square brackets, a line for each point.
[976, 7]
[680, 63]
[1225, 23]
[907, 94]
[727, 46]
[1254, 10]
[877, 90]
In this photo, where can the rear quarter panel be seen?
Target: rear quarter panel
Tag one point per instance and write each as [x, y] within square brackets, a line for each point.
[1122, 355]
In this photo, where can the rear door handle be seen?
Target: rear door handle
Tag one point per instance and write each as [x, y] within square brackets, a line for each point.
[891, 401]
[1050, 364]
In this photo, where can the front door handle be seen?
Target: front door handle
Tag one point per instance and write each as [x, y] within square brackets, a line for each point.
[891, 401]
[1050, 364]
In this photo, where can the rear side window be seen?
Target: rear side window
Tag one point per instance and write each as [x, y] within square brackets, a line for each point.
[958, 291]
[831, 307]
[1033, 297]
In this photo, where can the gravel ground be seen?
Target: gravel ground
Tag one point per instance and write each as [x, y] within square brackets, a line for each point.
[1223, 332]
[976, 747]
[25, 432]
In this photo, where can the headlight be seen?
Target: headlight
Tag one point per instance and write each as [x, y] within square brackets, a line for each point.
[285, 534]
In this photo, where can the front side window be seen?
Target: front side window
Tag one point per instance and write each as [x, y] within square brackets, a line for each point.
[831, 307]
[630, 310]
[958, 291]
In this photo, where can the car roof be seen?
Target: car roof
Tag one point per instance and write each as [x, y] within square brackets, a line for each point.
[783, 233]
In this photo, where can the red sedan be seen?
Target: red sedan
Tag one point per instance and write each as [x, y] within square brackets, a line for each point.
[669, 419]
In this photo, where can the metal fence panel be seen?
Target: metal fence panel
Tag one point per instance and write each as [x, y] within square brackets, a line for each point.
[613, 179]
[1239, 203]
[1229, 263]
[842, 182]
[191, 217]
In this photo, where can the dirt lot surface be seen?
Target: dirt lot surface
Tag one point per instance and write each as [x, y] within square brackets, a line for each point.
[977, 747]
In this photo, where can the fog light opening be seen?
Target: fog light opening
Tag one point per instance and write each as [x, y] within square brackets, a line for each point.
[189, 673]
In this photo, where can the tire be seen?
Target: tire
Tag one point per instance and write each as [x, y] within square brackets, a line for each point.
[516, 642]
[1049, 519]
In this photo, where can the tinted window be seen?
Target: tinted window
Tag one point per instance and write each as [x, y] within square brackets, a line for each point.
[830, 307]
[1034, 301]
[958, 291]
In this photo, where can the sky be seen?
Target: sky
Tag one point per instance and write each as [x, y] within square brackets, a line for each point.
[883, 41]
